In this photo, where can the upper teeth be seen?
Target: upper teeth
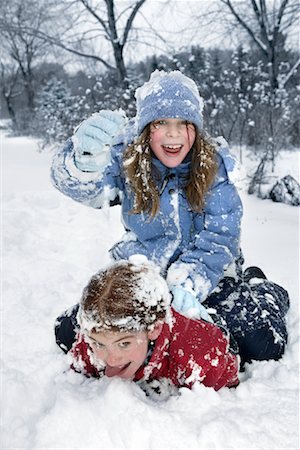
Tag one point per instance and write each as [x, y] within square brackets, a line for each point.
[173, 146]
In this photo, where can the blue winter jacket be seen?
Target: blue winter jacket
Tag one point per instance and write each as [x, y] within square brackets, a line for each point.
[193, 250]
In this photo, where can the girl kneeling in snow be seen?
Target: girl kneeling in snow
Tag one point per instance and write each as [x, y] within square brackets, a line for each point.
[180, 208]
[128, 330]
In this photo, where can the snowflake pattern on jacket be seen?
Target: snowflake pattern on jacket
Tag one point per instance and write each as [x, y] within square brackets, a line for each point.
[186, 352]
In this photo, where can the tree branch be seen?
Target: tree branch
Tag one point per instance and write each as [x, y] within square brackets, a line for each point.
[138, 5]
[264, 21]
[95, 15]
[252, 34]
[279, 19]
[46, 38]
[113, 34]
[288, 76]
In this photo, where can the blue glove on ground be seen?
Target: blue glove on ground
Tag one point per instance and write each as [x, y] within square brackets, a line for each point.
[94, 139]
[186, 304]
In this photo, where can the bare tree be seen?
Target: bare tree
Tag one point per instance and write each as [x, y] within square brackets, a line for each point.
[90, 26]
[111, 32]
[10, 87]
[21, 47]
[266, 24]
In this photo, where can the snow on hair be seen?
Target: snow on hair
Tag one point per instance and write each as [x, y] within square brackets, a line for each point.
[128, 295]
[140, 176]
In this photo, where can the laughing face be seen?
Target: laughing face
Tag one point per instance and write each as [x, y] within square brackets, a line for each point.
[122, 353]
[171, 140]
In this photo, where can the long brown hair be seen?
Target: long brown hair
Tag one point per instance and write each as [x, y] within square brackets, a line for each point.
[139, 173]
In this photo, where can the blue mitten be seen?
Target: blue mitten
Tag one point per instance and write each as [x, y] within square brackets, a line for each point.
[186, 304]
[94, 139]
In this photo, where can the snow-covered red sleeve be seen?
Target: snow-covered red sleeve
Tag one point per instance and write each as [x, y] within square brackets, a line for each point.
[81, 359]
[224, 373]
[200, 353]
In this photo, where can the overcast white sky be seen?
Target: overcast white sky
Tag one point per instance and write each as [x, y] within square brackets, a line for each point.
[188, 22]
[176, 25]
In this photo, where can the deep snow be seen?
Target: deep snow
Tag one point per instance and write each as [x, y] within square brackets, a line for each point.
[51, 247]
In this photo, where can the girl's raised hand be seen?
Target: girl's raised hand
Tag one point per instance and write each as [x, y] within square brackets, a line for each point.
[94, 138]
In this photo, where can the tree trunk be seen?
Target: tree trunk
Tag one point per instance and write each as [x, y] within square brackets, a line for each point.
[120, 65]
[10, 108]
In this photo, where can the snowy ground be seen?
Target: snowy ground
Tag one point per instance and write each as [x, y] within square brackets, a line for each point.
[51, 247]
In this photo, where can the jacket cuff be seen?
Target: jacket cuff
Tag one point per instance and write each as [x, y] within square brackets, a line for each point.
[77, 173]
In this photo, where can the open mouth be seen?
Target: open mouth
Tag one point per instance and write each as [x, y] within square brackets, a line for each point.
[172, 149]
[114, 371]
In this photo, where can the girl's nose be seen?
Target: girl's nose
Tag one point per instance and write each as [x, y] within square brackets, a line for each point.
[112, 358]
[173, 129]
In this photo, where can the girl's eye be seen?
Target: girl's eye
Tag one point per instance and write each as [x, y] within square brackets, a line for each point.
[124, 344]
[158, 124]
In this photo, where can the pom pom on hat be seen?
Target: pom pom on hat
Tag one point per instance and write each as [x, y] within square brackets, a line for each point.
[168, 95]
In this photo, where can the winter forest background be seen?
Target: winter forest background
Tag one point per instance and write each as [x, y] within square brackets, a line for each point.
[61, 61]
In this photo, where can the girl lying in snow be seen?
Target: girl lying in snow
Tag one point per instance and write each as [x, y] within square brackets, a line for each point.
[128, 330]
[180, 207]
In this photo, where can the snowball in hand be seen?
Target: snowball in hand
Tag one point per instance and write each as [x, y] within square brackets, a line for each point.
[95, 137]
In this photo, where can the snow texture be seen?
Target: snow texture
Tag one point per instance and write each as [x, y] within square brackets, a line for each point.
[165, 95]
[52, 246]
[150, 290]
[153, 85]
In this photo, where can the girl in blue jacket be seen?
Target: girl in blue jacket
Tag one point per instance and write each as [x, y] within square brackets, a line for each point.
[180, 208]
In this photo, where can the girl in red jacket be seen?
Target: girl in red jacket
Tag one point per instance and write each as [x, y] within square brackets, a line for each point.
[128, 330]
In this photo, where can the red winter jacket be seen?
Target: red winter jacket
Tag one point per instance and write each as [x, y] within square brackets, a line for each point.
[188, 351]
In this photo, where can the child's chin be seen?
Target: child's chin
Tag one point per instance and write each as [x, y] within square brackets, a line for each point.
[126, 377]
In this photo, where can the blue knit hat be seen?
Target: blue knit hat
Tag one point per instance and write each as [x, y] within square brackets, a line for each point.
[168, 95]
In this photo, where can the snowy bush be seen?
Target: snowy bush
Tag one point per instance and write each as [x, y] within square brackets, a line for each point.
[107, 94]
[286, 190]
[240, 103]
[58, 112]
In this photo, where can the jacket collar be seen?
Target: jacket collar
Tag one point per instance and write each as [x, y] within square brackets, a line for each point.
[181, 171]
